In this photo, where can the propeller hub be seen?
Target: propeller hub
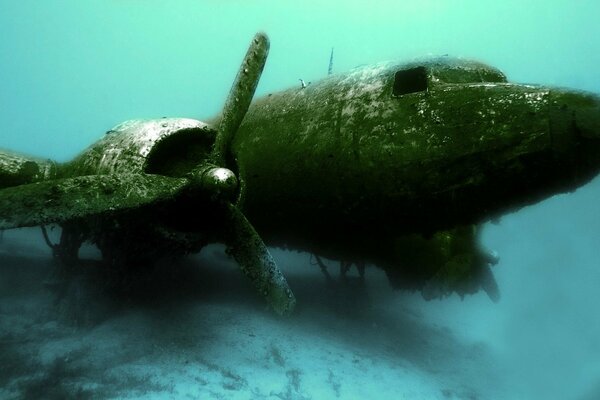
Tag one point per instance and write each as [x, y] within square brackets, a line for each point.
[222, 179]
[219, 182]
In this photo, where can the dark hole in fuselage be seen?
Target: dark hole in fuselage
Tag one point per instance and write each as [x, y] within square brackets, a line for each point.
[410, 81]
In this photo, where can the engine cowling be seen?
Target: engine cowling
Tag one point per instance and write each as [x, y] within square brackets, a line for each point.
[166, 146]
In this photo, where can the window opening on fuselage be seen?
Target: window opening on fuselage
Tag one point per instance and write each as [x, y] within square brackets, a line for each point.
[410, 81]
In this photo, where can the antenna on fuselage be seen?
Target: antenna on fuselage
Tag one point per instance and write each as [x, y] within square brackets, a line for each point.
[330, 70]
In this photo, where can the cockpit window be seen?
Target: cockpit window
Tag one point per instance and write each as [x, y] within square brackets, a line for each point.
[410, 81]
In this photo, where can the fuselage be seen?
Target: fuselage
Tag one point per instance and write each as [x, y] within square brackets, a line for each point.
[394, 149]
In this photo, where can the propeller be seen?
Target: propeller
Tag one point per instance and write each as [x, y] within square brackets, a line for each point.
[61, 200]
[240, 96]
[241, 239]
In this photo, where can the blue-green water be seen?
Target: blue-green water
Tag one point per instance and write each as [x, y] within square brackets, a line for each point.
[71, 70]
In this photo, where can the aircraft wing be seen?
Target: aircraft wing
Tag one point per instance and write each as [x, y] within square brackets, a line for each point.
[56, 201]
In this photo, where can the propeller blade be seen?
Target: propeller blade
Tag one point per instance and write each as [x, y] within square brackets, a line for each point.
[489, 284]
[253, 257]
[61, 200]
[240, 95]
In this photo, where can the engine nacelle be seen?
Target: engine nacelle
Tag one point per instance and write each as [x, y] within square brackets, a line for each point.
[18, 169]
[166, 146]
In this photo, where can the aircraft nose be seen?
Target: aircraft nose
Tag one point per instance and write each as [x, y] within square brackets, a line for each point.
[574, 116]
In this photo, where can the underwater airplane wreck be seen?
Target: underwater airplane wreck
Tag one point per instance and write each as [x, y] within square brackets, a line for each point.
[393, 164]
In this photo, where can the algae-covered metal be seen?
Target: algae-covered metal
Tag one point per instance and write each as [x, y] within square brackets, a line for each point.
[17, 169]
[354, 165]
[461, 147]
[83, 196]
[177, 144]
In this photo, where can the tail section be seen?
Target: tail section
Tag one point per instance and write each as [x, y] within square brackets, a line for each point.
[17, 169]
